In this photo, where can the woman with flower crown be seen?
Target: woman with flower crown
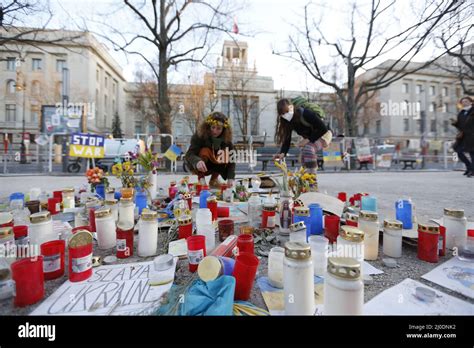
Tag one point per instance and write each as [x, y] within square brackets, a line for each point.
[204, 156]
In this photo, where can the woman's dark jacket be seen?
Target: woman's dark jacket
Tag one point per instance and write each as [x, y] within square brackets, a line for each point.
[465, 124]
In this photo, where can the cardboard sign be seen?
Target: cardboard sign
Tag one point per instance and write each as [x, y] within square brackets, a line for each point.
[363, 149]
[87, 146]
[333, 155]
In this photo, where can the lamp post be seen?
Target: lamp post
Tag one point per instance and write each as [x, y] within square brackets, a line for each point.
[20, 86]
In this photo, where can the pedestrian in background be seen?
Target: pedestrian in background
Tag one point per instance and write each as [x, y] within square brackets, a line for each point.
[465, 137]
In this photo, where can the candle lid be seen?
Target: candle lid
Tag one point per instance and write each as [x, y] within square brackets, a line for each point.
[110, 190]
[302, 211]
[112, 201]
[185, 220]
[126, 200]
[351, 234]
[368, 215]
[68, 190]
[6, 218]
[298, 203]
[352, 217]
[80, 238]
[297, 250]
[429, 228]
[149, 215]
[187, 195]
[246, 229]
[103, 212]
[125, 226]
[209, 268]
[457, 213]
[40, 217]
[270, 206]
[6, 232]
[393, 224]
[344, 267]
[297, 226]
[172, 182]
[212, 199]
[163, 262]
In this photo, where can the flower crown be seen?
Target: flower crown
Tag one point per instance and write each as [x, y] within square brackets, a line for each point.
[210, 120]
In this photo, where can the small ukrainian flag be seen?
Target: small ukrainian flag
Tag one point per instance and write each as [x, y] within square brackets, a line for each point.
[173, 152]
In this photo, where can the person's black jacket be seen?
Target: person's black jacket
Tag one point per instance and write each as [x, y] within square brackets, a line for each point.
[313, 133]
[465, 124]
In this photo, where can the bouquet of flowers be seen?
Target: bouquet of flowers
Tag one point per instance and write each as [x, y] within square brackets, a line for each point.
[241, 193]
[300, 182]
[125, 172]
[149, 161]
[96, 176]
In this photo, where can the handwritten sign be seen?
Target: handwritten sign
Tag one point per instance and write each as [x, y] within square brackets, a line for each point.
[111, 290]
[87, 146]
[333, 155]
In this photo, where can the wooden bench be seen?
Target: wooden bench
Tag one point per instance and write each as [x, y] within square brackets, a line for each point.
[265, 155]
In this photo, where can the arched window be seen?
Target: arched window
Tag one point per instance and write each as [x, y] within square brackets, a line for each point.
[11, 84]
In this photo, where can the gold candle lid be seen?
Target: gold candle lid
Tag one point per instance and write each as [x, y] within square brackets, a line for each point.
[344, 267]
[393, 224]
[298, 203]
[368, 215]
[126, 200]
[457, 213]
[302, 211]
[103, 212]
[110, 190]
[40, 217]
[428, 228]
[80, 238]
[297, 226]
[149, 215]
[246, 229]
[297, 250]
[68, 190]
[6, 232]
[110, 201]
[352, 234]
[186, 220]
[211, 199]
[187, 195]
[352, 217]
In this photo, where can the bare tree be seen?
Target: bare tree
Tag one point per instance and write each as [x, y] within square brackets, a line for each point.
[358, 54]
[178, 32]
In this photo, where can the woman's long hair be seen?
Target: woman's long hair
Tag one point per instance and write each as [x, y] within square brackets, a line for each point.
[283, 127]
[204, 129]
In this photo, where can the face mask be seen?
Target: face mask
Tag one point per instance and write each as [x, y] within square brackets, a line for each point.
[288, 116]
[467, 107]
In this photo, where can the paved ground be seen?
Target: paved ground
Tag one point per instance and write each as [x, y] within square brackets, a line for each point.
[430, 191]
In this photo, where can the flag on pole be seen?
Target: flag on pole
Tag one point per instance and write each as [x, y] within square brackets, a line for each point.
[235, 27]
[173, 152]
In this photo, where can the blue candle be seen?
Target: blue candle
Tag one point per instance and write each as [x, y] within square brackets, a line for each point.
[403, 213]
[100, 190]
[140, 200]
[316, 219]
[369, 203]
[204, 194]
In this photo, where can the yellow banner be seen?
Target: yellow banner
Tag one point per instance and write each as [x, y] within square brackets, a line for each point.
[86, 151]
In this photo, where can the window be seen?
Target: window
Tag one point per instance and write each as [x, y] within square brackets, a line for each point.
[235, 53]
[405, 88]
[138, 127]
[432, 107]
[446, 126]
[432, 90]
[254, 115]
[60, 65]
[418, 89]
[445, 91]
[225, 105]
[113, 106]
[105, 82]
[366, 128]
[34, 116]
[11, 84]
[378, 126]
[97, 75]
[433, 126]
[406, 125]
[445, 107]
[151, 128]
[458, 92]
[37, 64]
[11, 63]
[419, 125]
[238, 118]
[10, 112]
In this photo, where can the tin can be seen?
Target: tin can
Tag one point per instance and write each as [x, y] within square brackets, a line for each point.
[53, 259]
[268, 216]
[80, 256]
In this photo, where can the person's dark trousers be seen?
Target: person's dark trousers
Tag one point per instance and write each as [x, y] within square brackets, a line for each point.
[469, 164]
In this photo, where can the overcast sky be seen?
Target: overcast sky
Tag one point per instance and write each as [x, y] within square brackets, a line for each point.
[271, 20]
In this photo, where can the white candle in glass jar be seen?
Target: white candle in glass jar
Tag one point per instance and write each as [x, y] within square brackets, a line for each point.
[319, 253]
[392, 238]
[298, 279]
[343, 287]
[350, 243]
[456, 227]
[113, 206]
[105, 228]
[275, 267]
[41, 229]
[127, 211]
[68, 198]
[298, 232]
[148, 233]
[368, 222]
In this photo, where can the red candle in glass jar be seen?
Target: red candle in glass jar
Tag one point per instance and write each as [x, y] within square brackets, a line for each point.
[58, 195]
[198, 189]
[54, 205]
[245, 243]
[331, 227]
[92, 218]
[196, 251]
[223, 211]
[428, 242]
[53, 258]
[29, 281]
[352, 220]
[80, 256]
[442, 241]
[268, 216]
[212, 206]
[185, 229]
[124, 241]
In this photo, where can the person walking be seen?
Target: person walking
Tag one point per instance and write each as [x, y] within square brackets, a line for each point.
[465, 137]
